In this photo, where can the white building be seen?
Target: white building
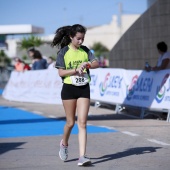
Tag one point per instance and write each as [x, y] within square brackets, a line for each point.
[109, 34]
[11, 49]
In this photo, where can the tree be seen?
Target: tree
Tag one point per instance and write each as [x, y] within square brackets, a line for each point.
[4, 60]
[99, 49]
[31, 41]
[26, 43]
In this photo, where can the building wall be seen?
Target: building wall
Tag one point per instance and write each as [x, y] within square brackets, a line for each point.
[11, 51]
[150, 2]
[109, 34]
[138, 44]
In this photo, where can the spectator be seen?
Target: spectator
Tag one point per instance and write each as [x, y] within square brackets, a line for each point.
[19, 65]
[30, 52]
[26, 66]
[39, 62]
[163, 60]
[51, 63]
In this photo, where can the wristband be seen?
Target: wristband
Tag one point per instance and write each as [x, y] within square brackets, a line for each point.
[88, 65]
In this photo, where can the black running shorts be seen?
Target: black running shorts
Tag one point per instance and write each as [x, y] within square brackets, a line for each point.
[70, 91]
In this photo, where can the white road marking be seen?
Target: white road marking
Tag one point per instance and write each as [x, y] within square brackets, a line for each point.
[41, 113]
[129, 133]
[22, 108]
[108, 127]
[52, 116]
[125, 132]
[112, 128]
[158, 142]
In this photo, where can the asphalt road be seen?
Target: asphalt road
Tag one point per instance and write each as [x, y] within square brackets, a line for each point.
[134, 144]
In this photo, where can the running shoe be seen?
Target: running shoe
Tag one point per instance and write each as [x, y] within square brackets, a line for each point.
[63, 153]
[83, 161]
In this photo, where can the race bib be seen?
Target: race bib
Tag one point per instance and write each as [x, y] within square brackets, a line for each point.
[80, 80]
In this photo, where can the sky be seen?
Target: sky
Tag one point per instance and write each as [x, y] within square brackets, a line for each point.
[52, 14]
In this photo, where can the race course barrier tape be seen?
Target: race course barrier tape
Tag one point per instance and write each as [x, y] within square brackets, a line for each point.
[115, 86]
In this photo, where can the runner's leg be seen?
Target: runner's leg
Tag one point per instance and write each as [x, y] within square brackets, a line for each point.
[82, 109]
[70, 111]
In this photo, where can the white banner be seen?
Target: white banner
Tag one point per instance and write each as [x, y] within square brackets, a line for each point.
[115, 86]
[34, 86]
[131, 87]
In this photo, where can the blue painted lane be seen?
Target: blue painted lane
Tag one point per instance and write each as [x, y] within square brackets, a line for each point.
[1, 91]
[18, 123]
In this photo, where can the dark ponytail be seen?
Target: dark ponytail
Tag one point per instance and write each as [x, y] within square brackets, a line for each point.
[63, 34]
[61, 37]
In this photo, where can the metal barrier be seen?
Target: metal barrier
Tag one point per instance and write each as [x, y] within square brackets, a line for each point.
[143, 111]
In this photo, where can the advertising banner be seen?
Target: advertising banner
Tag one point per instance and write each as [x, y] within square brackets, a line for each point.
[114, 86]
[34, 86]
[131, 87]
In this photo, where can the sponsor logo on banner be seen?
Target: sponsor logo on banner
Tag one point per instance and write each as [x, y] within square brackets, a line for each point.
[167, 97]
[137, 86]
[110, 83]
[93, 79]
[103, 85]
[161, 90]
[93, 82]
[129, 89]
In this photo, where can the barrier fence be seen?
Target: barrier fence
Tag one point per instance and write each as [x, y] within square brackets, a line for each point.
[147, 90]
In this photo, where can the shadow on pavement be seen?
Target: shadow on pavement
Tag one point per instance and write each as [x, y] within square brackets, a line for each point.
[109, 117]
[5, 147]
[129, 152]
